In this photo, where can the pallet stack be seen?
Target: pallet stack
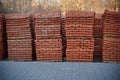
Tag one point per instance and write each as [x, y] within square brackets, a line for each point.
[1, 37]
[48, 40]
[98, 29]
[19, 37]
[79, 32]
[98, 33]
[111, 38]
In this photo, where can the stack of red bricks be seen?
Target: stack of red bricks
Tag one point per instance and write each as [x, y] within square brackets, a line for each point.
[111, 40]
[98, 29]
[48, 40]
[1, 37]
[79, 32]
[19, 36]
[98, 33]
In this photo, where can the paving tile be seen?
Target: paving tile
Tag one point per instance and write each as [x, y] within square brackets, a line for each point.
[59, 71]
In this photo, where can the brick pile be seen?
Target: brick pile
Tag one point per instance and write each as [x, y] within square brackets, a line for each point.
[79, 32]
[1, 37]
[98, 29]
[80, 49]
[48, 40]
[98, 33]
[19, 37]
[98, 47]
[111, 23]
[111, 38]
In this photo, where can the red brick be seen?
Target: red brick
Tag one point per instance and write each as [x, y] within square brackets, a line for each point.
[50, 49]
[111, 23]
[20, 49]
[19, 36]
[111, 49]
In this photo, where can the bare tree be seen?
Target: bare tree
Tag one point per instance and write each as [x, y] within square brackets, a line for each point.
[113, 5]
[19, 6]
[93, 5]
[30, 6]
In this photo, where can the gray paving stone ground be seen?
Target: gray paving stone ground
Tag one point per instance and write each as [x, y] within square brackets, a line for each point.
[59, 71]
